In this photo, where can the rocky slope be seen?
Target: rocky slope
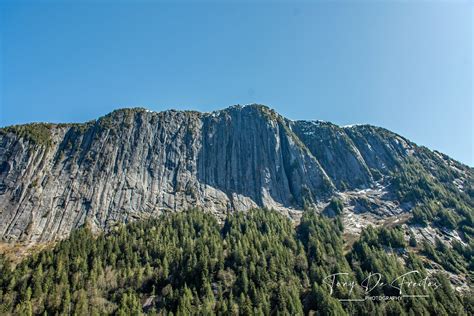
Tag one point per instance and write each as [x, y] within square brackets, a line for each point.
[134, 163]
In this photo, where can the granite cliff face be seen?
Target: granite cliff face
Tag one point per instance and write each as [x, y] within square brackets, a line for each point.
[135, 163]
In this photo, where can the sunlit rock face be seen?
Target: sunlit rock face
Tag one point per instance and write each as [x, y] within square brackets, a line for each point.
[135, 163]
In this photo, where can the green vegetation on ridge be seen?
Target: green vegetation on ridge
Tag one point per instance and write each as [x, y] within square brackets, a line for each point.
[38, 133]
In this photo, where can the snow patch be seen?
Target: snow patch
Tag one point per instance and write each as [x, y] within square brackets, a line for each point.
[351, 125]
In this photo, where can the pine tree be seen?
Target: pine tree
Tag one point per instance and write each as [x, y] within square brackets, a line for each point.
[185, 303]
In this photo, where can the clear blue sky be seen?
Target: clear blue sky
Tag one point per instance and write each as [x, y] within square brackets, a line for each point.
[403, 65]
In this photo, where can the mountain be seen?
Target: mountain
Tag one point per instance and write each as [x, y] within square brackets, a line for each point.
[135, 163]
[235, 212]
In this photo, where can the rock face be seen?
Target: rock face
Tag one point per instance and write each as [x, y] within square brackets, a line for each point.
[135, 163]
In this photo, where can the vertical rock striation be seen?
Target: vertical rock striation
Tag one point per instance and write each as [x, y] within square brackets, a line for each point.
[135, 163]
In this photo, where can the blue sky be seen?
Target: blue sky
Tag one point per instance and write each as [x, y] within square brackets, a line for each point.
[403, 65]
